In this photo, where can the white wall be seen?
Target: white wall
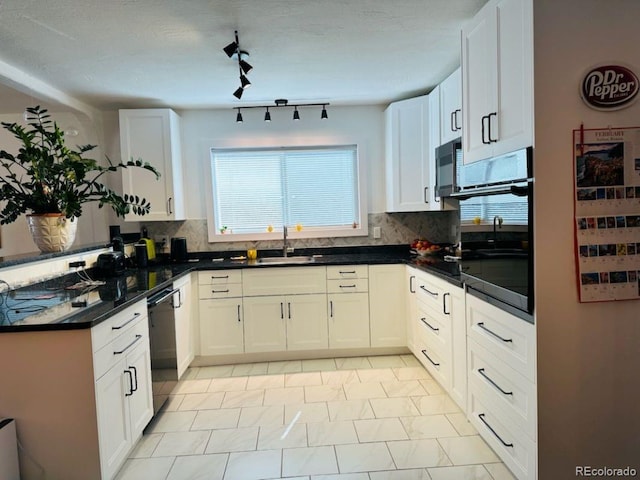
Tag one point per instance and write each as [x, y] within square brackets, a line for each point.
[588, 353]
[93, 225]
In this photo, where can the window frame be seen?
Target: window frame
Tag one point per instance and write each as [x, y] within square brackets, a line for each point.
[362, 228]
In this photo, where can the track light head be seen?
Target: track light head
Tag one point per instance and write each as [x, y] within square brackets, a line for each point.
[296, 115]
[239, 117]
[245, 66]
[324, 114]
[231, 49]
[238, 93]
[267, 115]
[244, 82]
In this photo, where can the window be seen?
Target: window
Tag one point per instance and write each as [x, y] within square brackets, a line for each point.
[318, 188]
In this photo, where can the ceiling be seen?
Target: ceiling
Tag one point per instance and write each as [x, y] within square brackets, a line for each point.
[168, 53]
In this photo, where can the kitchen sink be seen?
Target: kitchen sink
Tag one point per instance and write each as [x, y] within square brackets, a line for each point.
[286, 260]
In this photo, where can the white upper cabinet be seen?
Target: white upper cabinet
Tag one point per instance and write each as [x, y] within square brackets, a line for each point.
[409, 157]
[497, 80]
[153, 135]
[451, 107]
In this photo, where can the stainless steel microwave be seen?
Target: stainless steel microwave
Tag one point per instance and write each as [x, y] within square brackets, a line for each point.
[448, 164]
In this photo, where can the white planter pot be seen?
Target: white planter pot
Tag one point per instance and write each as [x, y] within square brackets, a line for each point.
[52, 232]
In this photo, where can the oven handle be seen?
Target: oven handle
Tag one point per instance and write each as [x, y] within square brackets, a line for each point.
[161, 297]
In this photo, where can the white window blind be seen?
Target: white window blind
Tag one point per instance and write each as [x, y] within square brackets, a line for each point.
[512, 209]
[314, 187]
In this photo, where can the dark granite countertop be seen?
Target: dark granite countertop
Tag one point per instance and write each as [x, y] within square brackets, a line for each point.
[52, 305]
[24, 258]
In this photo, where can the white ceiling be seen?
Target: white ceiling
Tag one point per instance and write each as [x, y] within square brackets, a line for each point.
[114, 54]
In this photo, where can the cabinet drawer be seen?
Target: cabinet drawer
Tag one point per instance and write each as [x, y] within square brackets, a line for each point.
[355, 285]
[136, 333]
[434, 328]
[513, 447]
[509, 338]
[219, 277]
[347, 271]
[508, 391]
[436, 359]
[111, 328]
[431, 293]
[220, 290]
[284, 281]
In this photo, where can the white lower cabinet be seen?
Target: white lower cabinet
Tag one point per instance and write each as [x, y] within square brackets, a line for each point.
[502, 386]
[220, 313]
[124, 403]
[438, 327]
[181, 304]
[278, 323]
[387, 306]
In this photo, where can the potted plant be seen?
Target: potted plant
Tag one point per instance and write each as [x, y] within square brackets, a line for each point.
[50, 182]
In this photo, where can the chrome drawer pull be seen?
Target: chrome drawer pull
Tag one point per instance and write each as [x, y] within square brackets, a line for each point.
[433, 294]
[481, 372]
[128, 372]
[481, 417]
[135, 315]
[411, 290]
[506, 340]
[138, 337]
[424, 352]
[424, 320]
[347, 286]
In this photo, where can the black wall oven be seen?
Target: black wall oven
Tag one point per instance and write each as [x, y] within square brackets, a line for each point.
[497, 257]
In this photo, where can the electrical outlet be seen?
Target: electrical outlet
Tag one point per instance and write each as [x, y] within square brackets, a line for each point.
[377, 232]
[161, 240]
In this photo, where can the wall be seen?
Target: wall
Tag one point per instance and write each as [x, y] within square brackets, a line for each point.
[92, 226]
[588, 354]
[363, 125]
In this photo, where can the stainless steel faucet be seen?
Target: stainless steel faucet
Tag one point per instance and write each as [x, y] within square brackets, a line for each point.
[497, 220]
[285, 247]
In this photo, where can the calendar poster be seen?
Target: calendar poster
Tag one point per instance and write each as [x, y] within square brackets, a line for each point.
[607, 213]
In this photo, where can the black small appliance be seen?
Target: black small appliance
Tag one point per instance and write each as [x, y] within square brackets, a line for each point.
[111, 263]
[142, 257]
[179, 249]
[448, 164]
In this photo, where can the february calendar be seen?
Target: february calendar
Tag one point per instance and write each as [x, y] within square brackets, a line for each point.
[607, 213]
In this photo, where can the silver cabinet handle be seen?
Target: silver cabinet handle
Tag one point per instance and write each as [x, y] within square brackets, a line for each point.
[175, 307]
[481, 372]
[411, 279]
[138, 337]
[481, 417]
[424, 320]
[505, 340]
[135, 315]
[433, 294]
[130, 383]
[424, 352]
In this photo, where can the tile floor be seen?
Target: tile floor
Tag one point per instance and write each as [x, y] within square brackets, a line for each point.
[363, 418]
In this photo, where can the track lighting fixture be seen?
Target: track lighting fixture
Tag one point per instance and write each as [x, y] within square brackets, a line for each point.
[233, 51]
[280, 103]
[239, 117]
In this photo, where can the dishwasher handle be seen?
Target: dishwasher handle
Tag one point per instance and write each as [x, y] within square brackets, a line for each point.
[161, 296]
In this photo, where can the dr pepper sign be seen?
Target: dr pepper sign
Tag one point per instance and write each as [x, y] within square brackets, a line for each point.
[609, 87]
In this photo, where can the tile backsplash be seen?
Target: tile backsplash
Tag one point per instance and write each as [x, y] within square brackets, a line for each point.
[396, 229]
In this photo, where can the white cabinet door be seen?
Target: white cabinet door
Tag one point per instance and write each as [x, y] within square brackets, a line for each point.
[409, 178]
[221, 326]
[153, 135]
[306, 322]
[451, 107]
[141, 398]
[497, 80]
[479, 87]
[265, 324]
[387, 306]
[112, 391]
[184, 326]
[348, 320]
[457, 313]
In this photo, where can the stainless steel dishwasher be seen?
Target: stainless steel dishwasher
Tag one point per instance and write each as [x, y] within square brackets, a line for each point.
[162, 308]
